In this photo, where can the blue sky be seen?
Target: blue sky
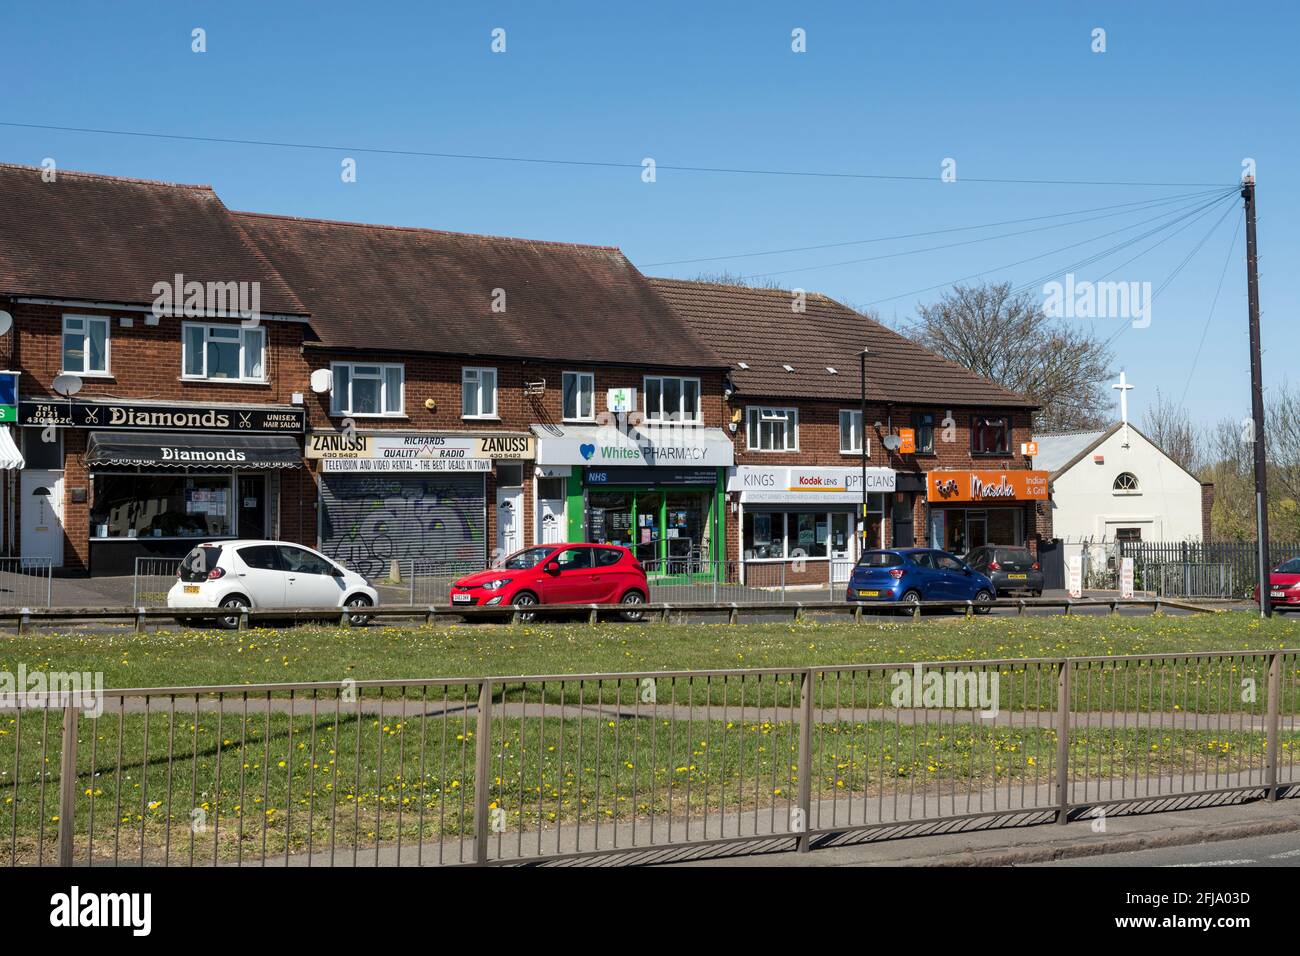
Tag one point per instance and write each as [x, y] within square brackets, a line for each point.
[1010, 90]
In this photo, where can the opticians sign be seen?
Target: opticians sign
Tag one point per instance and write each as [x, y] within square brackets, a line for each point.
[986, 486]
[775, 485]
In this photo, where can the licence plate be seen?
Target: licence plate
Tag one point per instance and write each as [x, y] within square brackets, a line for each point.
[191, 589]
[1018, 577]
[462, 598]
[1279, 594]
[868, 594]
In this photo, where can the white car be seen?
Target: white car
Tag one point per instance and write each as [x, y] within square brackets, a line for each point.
[266, 574]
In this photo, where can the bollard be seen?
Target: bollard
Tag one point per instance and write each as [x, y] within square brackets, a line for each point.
[733, 615]
[591, 618]
[139, 620]
[243, 619]
[1020, 607]
[970, 609]
[857, 614]
[916, 611]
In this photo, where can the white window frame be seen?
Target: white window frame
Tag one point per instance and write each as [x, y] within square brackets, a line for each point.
[658, 414]
[755, 416]
[591, 381]
[1126, 492]
[107, 370]
[849, 449]
[465, 376]
[341, 405]
[244, 333]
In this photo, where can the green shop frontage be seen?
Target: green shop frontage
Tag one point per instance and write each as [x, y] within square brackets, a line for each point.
[659, 491]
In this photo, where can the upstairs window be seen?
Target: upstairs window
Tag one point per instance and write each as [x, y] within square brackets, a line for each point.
[850, 432]
[772, 429]
[923, 422]
[371, 390]
[990, 435]
[227, 352]
[670, 399]
[85, 344]
[579, 396]
[1126, 483]
[478, 393]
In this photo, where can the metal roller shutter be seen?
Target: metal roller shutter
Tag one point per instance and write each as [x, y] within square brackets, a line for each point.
[367, 520]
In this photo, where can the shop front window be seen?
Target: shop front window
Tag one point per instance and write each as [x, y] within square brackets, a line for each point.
[161, 506]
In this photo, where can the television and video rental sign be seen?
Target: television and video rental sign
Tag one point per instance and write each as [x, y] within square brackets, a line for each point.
[986, 487]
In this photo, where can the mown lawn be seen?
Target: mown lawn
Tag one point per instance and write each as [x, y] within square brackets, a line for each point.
[203, 656]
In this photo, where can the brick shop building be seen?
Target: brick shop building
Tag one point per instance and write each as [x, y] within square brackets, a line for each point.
[793, 404]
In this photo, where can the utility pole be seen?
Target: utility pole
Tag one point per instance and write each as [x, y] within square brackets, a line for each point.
[1257, 401]
[862, 384]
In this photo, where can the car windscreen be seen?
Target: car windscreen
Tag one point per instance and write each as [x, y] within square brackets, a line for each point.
[528, 558]
[196, 565]
[1013, 556]
[880, 559]
[1289, 567]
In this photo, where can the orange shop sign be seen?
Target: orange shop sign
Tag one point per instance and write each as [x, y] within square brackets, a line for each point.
[986, 486]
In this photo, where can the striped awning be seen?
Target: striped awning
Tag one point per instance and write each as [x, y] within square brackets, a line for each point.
[170, 450]
[10, 456]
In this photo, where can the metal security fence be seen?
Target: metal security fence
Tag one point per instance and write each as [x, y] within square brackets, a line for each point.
[633, 767]
[25, 582]
[685, 581]
[1222, 569]
[152, 579]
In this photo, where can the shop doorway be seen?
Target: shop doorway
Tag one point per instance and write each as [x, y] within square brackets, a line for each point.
[901, 518]
[510, 525]
[251, 512]
[42, 511]
[551, 512]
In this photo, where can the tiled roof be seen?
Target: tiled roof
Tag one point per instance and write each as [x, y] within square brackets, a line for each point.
[774, 350]
[106, 239]
[385, 287]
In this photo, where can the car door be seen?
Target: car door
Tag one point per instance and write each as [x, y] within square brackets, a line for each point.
[310, 581]
[573, 581]
[957, 584]
[609, 578]
[261, 573]
[925, 577]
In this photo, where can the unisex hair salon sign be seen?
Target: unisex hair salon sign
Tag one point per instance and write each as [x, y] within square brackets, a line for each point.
[149, 417]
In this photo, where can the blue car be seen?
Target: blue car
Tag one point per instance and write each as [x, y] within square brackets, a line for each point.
[917, 574]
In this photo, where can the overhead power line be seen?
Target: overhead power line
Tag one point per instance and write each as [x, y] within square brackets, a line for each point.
[947, 245]
[1232, 245]
[593, 163]
[1180, 215]
[1143, 203]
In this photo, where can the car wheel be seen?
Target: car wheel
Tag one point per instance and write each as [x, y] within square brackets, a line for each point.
[237, 603]
[1036, 593]
[983, 600]
[357, 601]
[525, 599]
[911, 597]
[633, 599]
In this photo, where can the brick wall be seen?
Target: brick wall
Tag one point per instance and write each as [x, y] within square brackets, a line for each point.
[145, 365]
[819, 446]
[1207, 510]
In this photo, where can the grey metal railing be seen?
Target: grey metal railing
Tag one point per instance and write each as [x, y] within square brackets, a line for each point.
[26, 582]
[685, 581]
[634, 766]
[152, 579]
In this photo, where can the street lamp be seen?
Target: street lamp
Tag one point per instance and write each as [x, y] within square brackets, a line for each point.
[862, 439]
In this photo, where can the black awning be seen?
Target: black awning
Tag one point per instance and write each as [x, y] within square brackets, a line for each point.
[171, 450]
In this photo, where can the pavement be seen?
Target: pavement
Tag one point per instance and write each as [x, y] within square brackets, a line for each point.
[1148, 839]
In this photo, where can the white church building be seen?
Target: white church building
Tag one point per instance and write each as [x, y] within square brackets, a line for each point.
[1116, 485]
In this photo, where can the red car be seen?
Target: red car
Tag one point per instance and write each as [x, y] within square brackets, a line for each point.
[1285, 585]
[559, 574]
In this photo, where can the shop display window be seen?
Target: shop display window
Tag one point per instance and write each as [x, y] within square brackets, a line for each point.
[162, 506]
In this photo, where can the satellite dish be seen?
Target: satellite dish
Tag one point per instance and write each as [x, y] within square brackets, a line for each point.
[6, 323]
[892, 442]
[322, 380]
[67, 384]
